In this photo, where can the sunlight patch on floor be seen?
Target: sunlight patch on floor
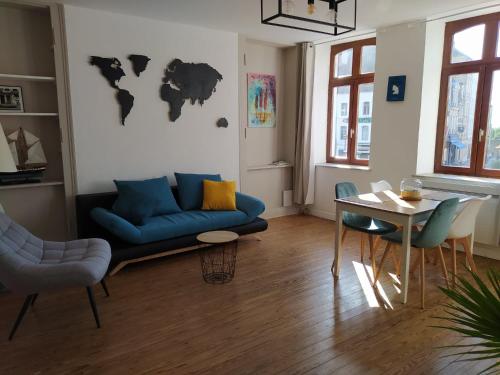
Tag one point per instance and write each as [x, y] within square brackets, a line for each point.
[365, 277]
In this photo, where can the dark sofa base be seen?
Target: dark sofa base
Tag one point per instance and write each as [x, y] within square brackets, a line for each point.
[123, 253]
[138, 253]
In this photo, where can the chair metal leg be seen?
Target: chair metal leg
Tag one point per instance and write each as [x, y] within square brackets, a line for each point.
[93, 305]
[35, 296]
[422, 278]
[20, 317]
[105, 287]
[362, 245]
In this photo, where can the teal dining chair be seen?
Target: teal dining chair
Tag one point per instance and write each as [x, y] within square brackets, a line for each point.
[432, 235]
[367, 226]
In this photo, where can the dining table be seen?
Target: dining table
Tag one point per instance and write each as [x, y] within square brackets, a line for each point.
[388, 206]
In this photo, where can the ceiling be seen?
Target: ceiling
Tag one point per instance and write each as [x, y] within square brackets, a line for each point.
[243, 16]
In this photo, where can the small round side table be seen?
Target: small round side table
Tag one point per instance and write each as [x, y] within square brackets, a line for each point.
[218, 260]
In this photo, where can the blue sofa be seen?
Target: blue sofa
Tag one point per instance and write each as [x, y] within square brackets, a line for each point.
[160, 235]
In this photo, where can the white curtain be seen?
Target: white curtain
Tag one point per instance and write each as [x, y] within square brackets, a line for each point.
[303, 180]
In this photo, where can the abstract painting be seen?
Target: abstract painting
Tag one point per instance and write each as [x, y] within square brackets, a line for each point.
[261, 100]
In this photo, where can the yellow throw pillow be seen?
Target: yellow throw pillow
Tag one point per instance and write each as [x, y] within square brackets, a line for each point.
[219, 195]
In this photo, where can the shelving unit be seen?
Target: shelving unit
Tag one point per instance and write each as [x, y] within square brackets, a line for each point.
[32, 114]
[32, 43]
[22, 77]
[269, 166]
[32, 185]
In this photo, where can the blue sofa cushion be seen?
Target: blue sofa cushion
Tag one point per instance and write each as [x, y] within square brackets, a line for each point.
[157, 189]
[164, 227]
[190, 188]
[134, 206]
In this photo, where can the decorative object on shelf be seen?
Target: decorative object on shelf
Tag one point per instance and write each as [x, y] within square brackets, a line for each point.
[187, 81]
[261, 100]
[7, 163]
[396, 88]
[110, 68]
[330, 17]
[11, 99]
[33, 159]
[222, 123]
[139, 63]
[411, 189]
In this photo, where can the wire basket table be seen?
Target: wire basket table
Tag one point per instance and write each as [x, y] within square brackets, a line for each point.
[218, 260]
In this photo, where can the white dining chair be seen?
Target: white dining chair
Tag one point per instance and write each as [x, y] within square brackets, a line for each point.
[381, 185]
[462, 231]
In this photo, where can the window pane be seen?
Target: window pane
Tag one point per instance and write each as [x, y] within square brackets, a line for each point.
[368, 59]
[498, 41]
[468, 45]
[343, 64]
[365, 104]
[340, 121]
[459, 127]
[492, 150]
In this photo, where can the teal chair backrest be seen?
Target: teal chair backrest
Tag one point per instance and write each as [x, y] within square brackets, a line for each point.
[437, 226]
[348, 189]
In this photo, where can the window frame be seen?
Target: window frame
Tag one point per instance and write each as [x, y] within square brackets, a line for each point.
[485, 67]
[353, 81]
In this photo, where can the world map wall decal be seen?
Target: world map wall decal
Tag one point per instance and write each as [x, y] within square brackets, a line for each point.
[111, 69]
[182, 81]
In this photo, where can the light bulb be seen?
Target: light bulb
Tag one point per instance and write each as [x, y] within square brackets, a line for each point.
[288, 6]
[332, 16]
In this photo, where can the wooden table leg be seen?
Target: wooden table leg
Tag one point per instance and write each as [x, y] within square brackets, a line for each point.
[338, 241]
[405, 258]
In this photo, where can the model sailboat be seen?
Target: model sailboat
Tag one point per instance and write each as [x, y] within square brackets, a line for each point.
[25, 151]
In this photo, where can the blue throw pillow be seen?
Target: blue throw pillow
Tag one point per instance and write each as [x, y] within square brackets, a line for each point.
[134, 206]
[190, 187]
[157, 189]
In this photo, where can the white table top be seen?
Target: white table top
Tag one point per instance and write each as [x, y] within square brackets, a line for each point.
[390, 201]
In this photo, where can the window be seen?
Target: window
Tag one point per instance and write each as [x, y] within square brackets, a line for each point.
[468, 134]
[343, 109]
[351, 102]
[366, 108]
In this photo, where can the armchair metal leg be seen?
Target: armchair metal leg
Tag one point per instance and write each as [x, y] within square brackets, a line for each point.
[105, 287]
[35, 296]
[93, 305]
[20, 317]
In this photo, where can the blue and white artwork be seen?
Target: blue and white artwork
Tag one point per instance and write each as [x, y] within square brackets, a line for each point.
[396, 89]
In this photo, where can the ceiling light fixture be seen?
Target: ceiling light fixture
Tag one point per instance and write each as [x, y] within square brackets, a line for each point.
[338, 18]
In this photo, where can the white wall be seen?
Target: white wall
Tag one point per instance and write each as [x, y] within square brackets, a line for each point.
[263, 146]
[149, 145]
[400, 51]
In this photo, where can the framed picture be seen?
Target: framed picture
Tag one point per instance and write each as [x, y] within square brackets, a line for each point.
[11, 99]
[396, 88]
[261, 100]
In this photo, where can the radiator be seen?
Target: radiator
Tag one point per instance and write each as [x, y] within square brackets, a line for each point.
[488, 221]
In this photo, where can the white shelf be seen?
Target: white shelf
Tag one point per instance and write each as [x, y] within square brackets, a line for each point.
[22, 77]
[31, 185]
[269, 166]
[32, 114]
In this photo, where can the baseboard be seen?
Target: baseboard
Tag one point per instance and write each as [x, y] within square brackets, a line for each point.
[280, 211]
[485, 251]
[321, 213]
[480, 249]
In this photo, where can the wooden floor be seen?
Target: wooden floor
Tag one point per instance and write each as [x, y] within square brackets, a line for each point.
[282, 314]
